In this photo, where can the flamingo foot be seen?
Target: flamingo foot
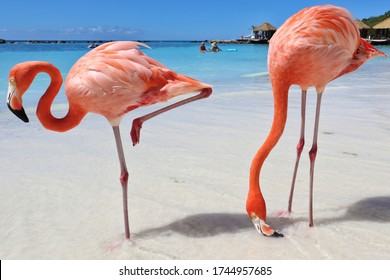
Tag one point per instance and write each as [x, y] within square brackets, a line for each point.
[283, 214]
[265, 229]
[116, 244]
[136, 131]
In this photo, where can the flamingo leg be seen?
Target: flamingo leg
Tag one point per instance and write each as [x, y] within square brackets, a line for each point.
[300, 145]
[123, 177]
[137, 123]
[312, 156]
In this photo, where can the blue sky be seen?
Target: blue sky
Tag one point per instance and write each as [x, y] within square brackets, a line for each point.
[155, 20]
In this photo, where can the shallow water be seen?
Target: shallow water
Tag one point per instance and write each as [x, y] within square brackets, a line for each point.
[223, 70]
[227, 71]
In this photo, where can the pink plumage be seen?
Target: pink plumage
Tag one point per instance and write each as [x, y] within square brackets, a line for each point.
[117, 77]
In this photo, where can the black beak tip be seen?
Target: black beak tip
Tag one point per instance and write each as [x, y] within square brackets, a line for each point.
[21, 114]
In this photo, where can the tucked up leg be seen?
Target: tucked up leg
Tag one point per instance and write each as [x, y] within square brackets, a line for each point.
[137, 123]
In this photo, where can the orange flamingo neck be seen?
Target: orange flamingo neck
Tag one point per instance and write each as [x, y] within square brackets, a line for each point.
[74, 115]
[255, 205]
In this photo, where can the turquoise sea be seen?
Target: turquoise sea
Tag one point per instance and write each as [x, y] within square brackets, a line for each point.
[222, 70]
[244, 68]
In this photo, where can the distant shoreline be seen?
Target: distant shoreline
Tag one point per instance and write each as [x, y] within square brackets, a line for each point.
[238, 41]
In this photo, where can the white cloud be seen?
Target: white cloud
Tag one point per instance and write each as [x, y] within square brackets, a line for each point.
[92, 32]
[100, 30]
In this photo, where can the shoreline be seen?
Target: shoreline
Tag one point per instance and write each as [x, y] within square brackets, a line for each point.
[236, 41]
[231, 42]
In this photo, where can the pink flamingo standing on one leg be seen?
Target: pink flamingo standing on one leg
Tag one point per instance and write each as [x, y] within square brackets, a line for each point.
[112, 80]
[312, 48]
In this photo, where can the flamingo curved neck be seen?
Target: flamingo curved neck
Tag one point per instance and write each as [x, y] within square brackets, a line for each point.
[74, 115]
[255, 202]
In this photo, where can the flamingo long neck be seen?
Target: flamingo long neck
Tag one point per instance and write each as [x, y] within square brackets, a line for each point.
[255, 203]
[74, 115]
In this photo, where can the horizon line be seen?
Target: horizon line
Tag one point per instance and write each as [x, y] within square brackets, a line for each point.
[5, 41]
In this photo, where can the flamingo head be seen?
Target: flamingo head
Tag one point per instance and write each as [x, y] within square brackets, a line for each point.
[365, 51]
[20, 78]
[14, 101]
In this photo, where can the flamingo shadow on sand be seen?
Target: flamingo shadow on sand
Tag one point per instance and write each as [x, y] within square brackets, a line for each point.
[203, 225]
[375, 209]
[208, 225]
[372, 209]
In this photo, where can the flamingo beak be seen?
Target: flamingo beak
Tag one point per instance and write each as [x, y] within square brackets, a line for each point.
[373, 52]
[14, 101]
[377, 52]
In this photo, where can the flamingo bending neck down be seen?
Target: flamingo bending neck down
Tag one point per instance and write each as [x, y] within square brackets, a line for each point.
[312, 48]
[110, 80]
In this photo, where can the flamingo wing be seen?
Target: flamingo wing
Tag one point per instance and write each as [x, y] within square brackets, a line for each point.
[322, 36]
[116, 77]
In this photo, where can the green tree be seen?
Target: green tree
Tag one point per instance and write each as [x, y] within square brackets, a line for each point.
[371, 21]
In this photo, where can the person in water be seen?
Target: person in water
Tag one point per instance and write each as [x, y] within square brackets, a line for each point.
[202, 47]
[214, 47]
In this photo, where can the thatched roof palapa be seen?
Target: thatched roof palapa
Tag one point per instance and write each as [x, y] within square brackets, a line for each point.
[383, 25]
[360, 24]
[265, 27]
[382, 30]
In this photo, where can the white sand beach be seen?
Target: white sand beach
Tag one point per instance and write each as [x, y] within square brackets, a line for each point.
[61, 196]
